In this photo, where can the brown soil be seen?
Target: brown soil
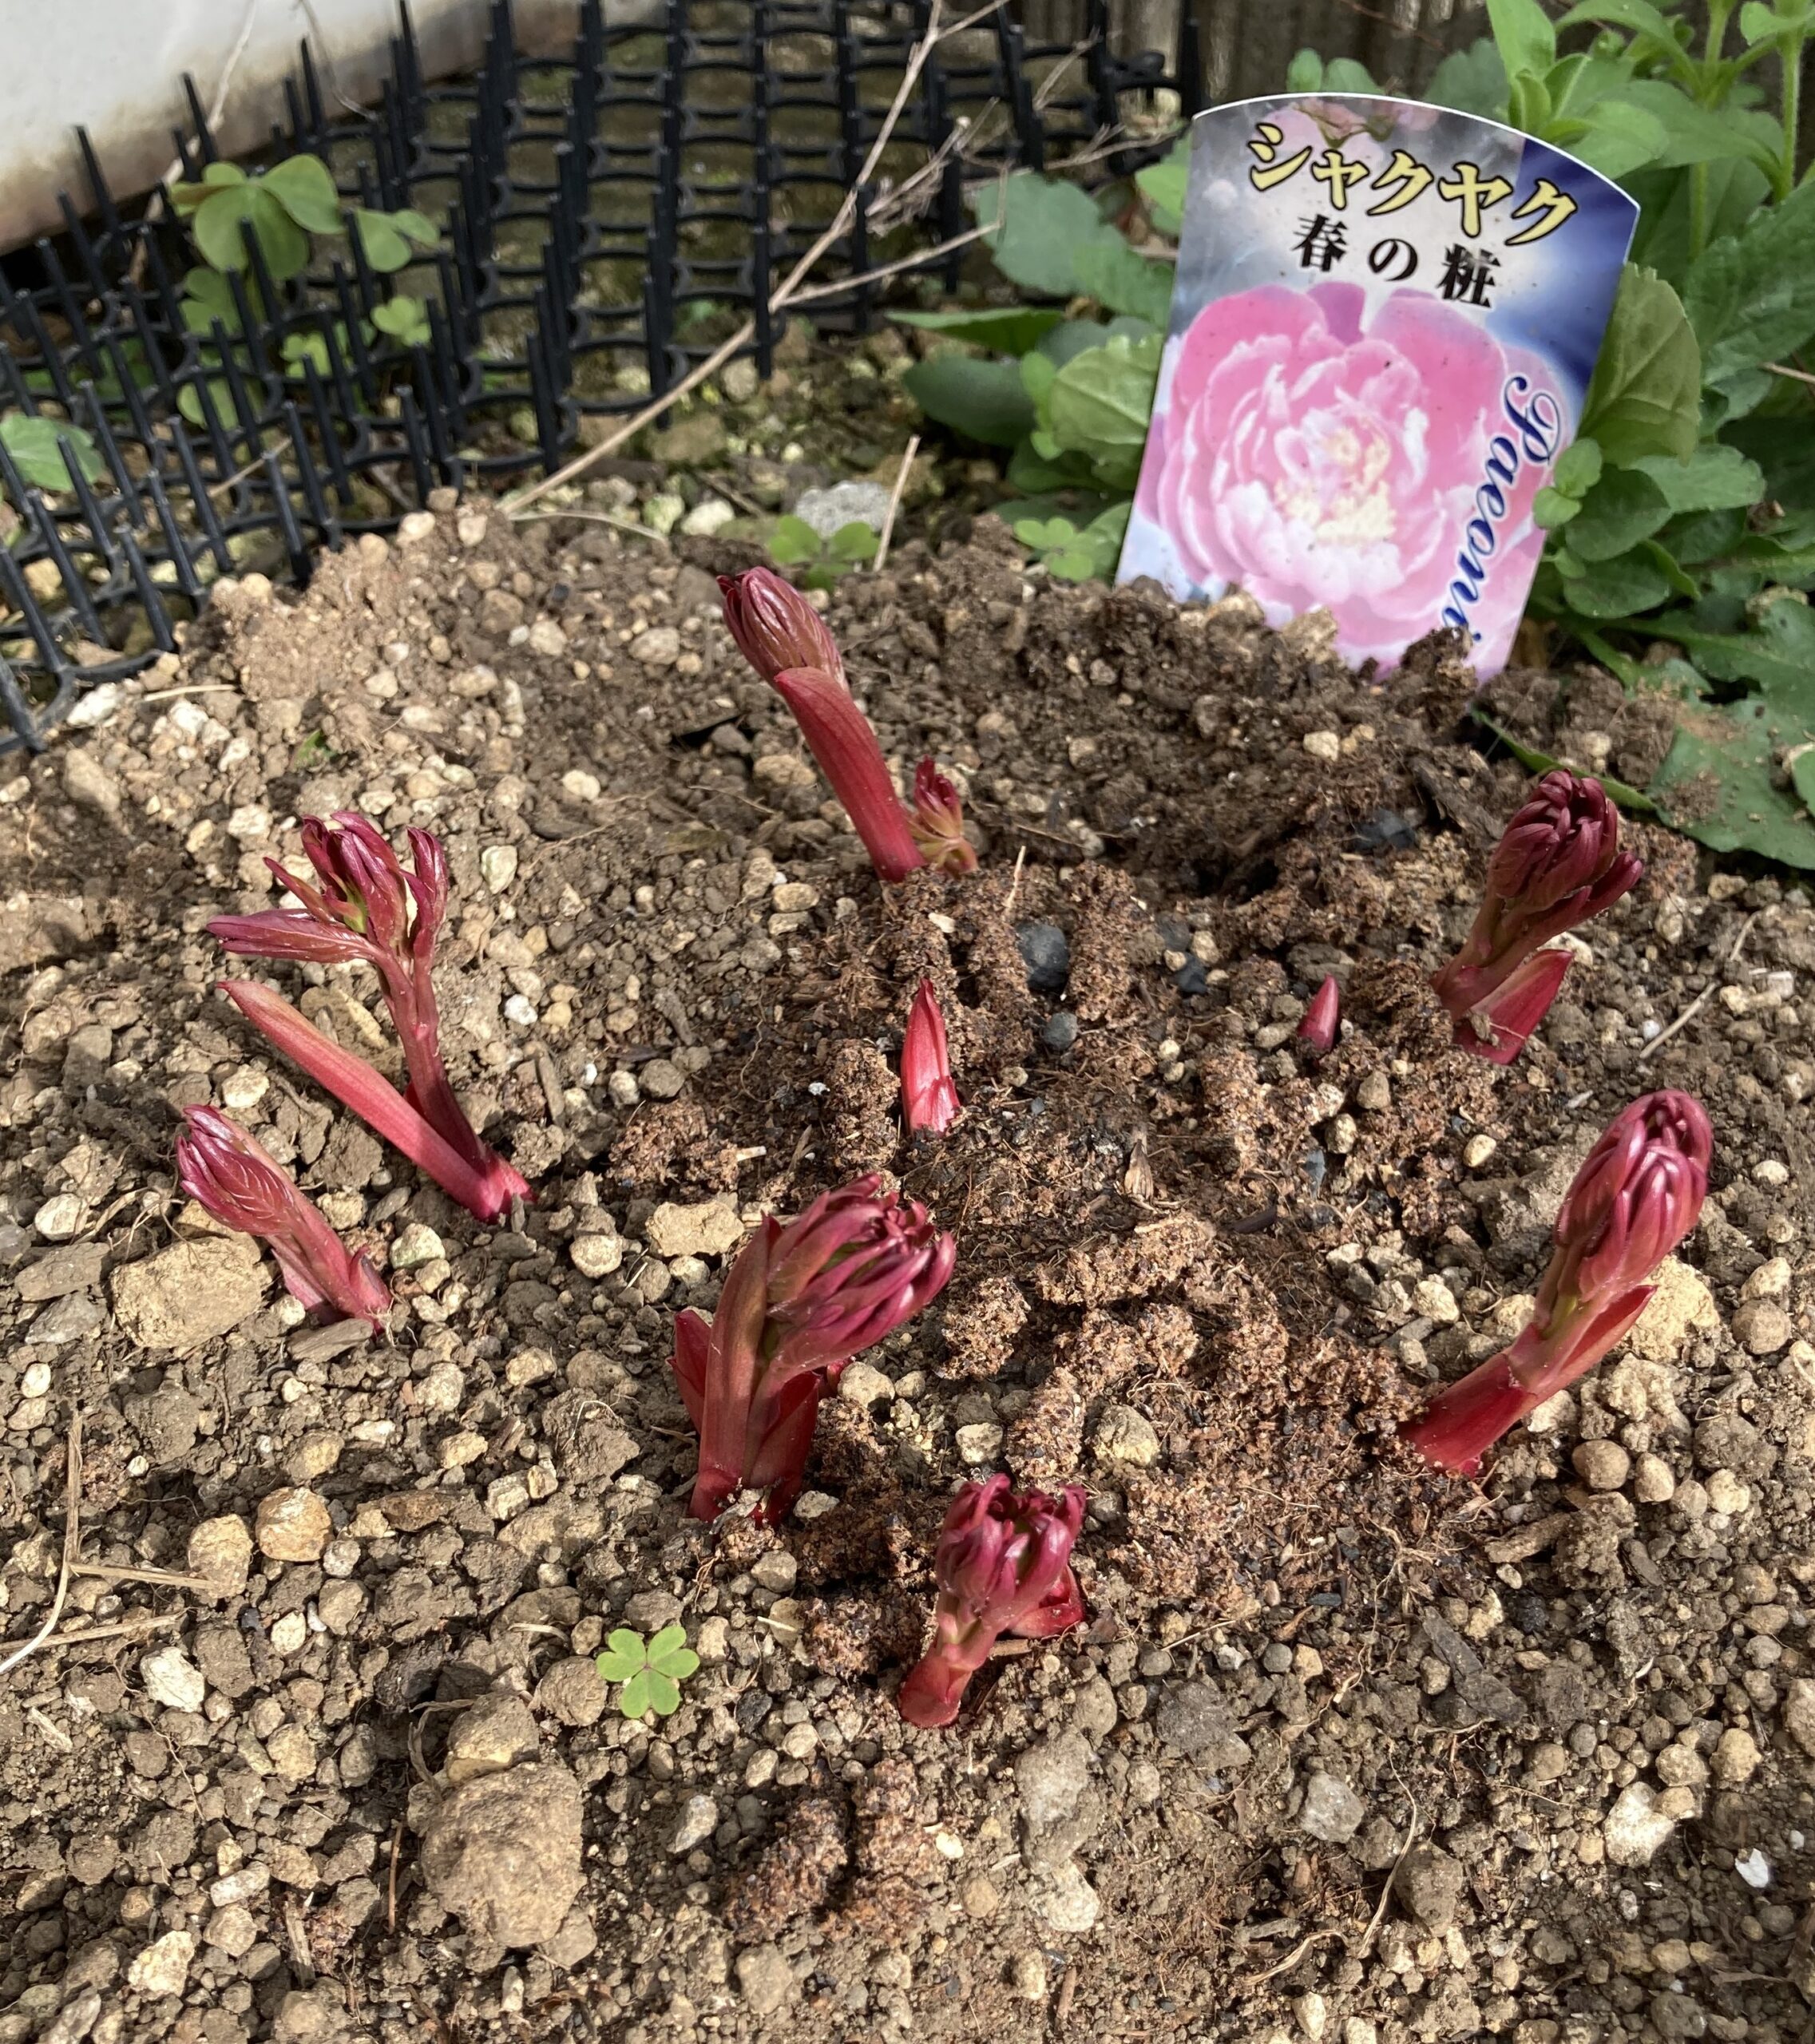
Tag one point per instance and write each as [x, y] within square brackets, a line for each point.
[1346, 1749]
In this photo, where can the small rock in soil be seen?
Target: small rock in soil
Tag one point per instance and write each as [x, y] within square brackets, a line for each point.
[496, 1733]
[503, 1853]
[1633, 1829]
[1047, 954]
[1194, 1720]
[1123, 1435]
[1429, 1884]
[1067, 1900]
[1052, 1777]
[191, 1292]
[764, 1979]
[221, 1552]
[163, 1967]
[1061, 1031]
[294, 1526]
[699, 1820]
[709, 1228]
[1331, 1811]
[172, 1679]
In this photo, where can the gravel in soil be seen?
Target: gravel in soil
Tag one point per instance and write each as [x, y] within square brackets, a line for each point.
[1344, 1750]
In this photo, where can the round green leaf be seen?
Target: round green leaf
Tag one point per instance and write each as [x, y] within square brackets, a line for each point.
[285, 246]
[216, 226]
[855, 541]
[664, 1693]
[304, 187]
[666, 1641]
[635, 1699]
[32, 443]
[678, 1664]
[415, 227]
[793, 540]
[386, 249]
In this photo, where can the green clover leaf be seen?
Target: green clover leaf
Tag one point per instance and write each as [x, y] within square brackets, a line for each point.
[652, 1673]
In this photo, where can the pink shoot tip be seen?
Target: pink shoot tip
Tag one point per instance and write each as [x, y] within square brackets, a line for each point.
[1558, 864]
[1638, 1194]
[775, 626]
[929, 1099]
[1322, 1018]
[840, 738]
[800, 1300]
[938, 824]
[230, 1175]
[1003, 1565]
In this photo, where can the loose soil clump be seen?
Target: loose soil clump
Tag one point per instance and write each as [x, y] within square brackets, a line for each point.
[1345, 1749]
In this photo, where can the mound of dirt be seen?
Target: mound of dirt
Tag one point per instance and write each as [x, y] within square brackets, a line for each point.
[316, 1748]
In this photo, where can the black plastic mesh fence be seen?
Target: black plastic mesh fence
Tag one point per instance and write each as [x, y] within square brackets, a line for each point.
[605, 221]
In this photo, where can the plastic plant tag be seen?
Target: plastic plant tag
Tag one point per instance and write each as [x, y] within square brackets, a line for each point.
[1384, 324]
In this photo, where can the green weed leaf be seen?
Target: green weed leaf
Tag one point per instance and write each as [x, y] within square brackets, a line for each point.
[1624, 507]
[986, 401]
[652, 1674]
[854, 542]
[1645, 395]
[1039, 223]
[303, 187]
[32, 443]
[1522, 30]
[1118, 277]
[1162, 185]
[1002, 329]
[1100, 403]
[793, 542]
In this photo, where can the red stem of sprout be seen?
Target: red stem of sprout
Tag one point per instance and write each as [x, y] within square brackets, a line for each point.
[366, 906]
[1003, 1565]
[1558, 864]
[225, 1171]
[1637, 1194]
[799, 1302]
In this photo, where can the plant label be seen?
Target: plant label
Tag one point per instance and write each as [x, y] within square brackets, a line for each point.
[1382, 332]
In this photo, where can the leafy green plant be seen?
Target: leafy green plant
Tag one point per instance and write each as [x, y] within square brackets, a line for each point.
[1070, 396]
[282, 209]
[793, 543]
[1683, 516]
[651, 1672]
[32, 443]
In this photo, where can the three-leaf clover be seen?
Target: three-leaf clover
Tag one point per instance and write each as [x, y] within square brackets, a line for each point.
[794, 542]
[652, 1673]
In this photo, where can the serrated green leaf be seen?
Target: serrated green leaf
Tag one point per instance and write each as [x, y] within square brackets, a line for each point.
[1578, 468]
[304, 187]
[1523, 31]
[1117, 277]
[793, 540]
[1702, 536]
[985, 401]
[1751, 300]
[1038, 224]
[1473, 80]
[634, 1698]
[1002, 329]
[1624, 507]
[1162, 185]
[855, 541]
[1714, 478]
[1621, 588]
[1645, 396]
[1101, 404]
[1776, 657]
[1719, 782]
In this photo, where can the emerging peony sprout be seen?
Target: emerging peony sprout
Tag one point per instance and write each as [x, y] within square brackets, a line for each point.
[839, 737]
[930, 1100]
[225, 1171]
[368, 908]
[800, 1301]
[776, 628]
[785, 640]
[1558, 864]
[1003, 1565]
[1322, 1018]
[1637, 1195]
[938, 822]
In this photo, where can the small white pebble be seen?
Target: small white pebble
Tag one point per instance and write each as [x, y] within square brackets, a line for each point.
[1771, 1170]
[36, 1382]
[580, 786]
[1754, 1868]
[520, 1011]
[58, 1219]
[498, 866]
[1323, 745]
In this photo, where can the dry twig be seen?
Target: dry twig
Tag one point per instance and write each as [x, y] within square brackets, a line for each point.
[902, 474]
[72, 1540]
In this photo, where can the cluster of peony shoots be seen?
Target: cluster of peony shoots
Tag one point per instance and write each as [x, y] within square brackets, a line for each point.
[804, 1297]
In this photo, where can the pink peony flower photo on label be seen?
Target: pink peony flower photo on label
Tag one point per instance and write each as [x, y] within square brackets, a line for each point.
[1381, 464]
